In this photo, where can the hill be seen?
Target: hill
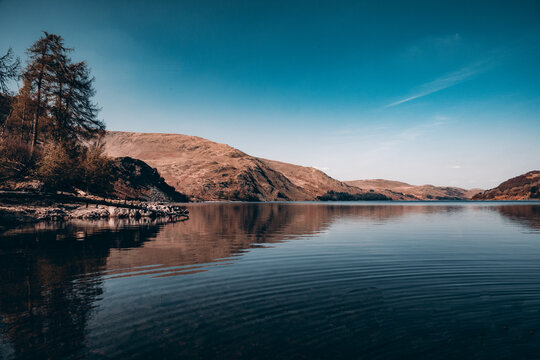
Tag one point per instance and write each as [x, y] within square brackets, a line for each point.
[398, 190]
[522, 187]
[210, 171]
[315, 182]
[205, 170]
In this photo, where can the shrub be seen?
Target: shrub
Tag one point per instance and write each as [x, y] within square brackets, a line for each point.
[15, 157]
[56, 168]
[96, 169]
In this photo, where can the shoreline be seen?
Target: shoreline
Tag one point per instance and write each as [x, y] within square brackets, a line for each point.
[18, 208]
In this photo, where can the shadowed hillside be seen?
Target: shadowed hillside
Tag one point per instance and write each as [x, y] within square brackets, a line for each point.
[522, 187]
[312, 180]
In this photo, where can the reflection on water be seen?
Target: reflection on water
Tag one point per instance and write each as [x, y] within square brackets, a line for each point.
[49, 283]
[278, 280]
[529, 216]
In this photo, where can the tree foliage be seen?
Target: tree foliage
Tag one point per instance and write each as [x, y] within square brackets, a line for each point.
[66, 165]
[52, 130]
[60, 92]
[15, 157]
[96, 169]
[9, 70]
[56, 167]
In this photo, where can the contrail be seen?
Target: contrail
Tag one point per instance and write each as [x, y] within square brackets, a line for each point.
[446, 81]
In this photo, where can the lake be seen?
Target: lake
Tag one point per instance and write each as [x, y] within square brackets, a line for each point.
[367, 280]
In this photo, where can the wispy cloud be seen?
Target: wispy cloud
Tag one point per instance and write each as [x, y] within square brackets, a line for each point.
[447, 81]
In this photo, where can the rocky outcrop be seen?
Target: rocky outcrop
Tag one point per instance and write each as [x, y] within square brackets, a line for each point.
[135, 180]
[132, 179]
[522, 187]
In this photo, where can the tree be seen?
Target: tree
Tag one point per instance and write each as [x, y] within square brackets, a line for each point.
[53, 120]
[9, 70]
[75, 112]
[46, 57]
[15, 151]
[18, 122]
[61, 91]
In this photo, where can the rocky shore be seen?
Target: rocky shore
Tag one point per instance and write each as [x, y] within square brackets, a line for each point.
[13, 213]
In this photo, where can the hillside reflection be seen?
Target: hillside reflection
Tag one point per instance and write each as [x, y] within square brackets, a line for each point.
[527, 215]
[226, 230]
[51, 276]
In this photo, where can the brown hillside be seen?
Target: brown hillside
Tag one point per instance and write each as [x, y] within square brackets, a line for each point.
[208, 171]
[204, 169]
[522, 187]
[398, 190]
[312, 180]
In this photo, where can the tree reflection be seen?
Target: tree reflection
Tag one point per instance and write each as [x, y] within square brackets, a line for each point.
[49, 286]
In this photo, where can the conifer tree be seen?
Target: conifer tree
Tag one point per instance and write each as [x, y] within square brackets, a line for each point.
[77, 113]
[61, 92]
[18, 123]
[45, 56]
[54, 109]
[9, 70]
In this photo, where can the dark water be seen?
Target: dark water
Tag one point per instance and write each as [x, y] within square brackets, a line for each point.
[279, 281]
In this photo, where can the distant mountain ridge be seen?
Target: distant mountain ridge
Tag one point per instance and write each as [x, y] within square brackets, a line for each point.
[522, 187]
[210, 171]
[398, 190]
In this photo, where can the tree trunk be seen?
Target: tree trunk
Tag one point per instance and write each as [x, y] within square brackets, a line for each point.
[38, 107]
[36, 118]
[23, 121]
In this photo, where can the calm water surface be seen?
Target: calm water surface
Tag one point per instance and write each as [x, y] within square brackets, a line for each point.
[279, 281]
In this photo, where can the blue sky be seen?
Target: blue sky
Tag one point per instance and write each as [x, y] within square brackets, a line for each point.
[418, 91]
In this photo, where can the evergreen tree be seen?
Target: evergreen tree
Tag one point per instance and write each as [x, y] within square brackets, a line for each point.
[53, 121]
[45, 58]
[9, 70]
[76, 117]
[18, 123]
[60, 93]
